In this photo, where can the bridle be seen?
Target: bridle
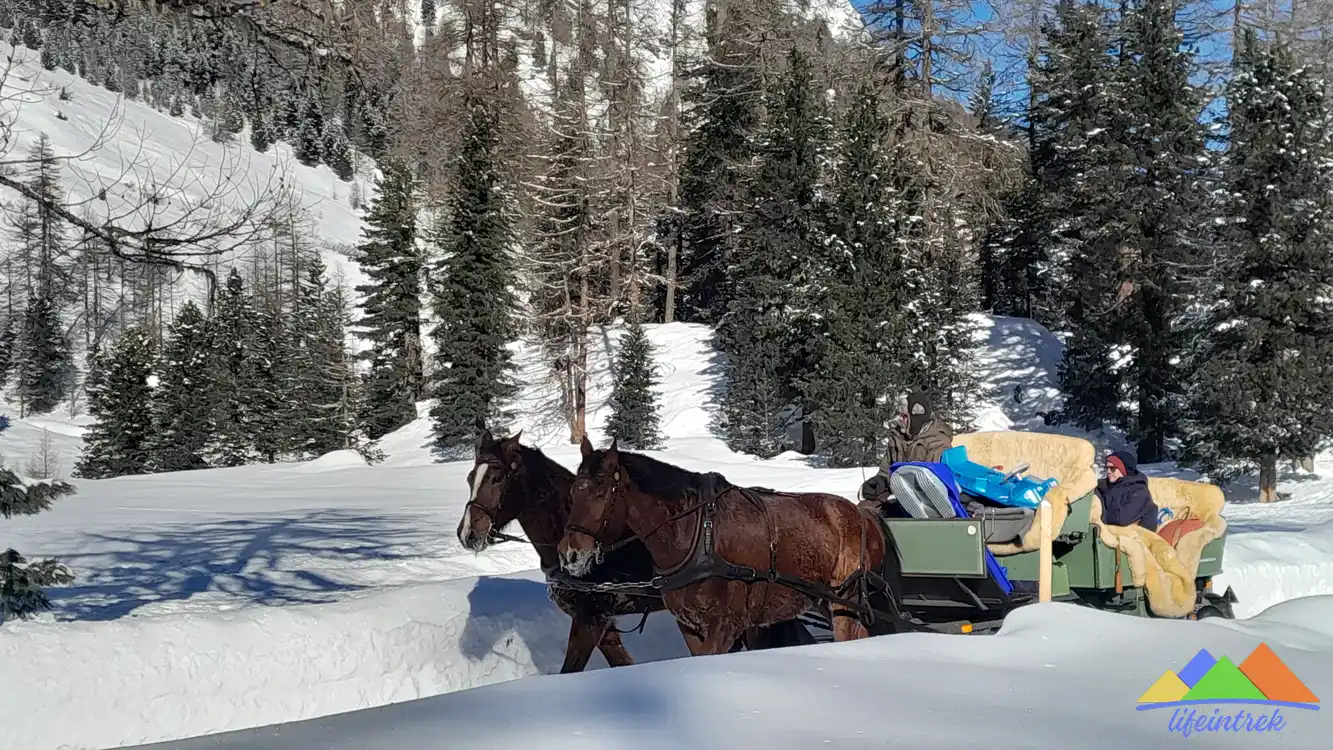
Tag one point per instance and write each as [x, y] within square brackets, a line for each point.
[495, 536]
[603, 547]
[599, 537]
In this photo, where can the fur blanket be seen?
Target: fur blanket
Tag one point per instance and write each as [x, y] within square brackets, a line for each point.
[1069, 460]
[1166, 572]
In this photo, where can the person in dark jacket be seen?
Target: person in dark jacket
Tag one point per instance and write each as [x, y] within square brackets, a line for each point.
[1124, 494]
[918, 436]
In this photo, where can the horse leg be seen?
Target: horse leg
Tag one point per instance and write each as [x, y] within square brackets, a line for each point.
[583, 638]
[613, 649]
[715, 641]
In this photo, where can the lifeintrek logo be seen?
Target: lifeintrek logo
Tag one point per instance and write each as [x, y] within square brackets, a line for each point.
[1246, 698]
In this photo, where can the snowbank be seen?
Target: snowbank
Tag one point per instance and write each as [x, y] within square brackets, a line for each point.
[156, 678]
[1057, 676]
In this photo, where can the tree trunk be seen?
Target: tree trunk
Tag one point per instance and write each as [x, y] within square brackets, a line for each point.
[1268, 478]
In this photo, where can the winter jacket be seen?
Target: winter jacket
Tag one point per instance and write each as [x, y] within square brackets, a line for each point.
[927, 447]
[1128, 501]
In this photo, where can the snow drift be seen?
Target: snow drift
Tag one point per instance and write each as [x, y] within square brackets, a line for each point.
[1057, 676]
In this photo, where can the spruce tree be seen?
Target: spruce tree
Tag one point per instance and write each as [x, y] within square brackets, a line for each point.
[336, 150]
[1164, 189]
[1262, 386]
[472, 289]
[120, 398]
[862, 369]
[723, 118]
[1075, 126]
[634, 420]
[232, 373]
[8, 344]
[320, 376]
[22, 581]
[183, 402]
[271, 405]
[771, 332]
[308, 138]
[46, 364]
[392, 321]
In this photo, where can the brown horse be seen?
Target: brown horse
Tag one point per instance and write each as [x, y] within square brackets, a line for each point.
[731, 558]
[513, 482]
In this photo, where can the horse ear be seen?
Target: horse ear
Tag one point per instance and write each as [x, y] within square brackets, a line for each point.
[486, 441]
[516, 436]
[586, 446]
[613, 453]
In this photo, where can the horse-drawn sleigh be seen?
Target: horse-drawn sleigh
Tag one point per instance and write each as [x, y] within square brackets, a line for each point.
[752, 567]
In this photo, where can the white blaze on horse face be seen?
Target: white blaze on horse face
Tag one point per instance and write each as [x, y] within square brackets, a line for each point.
[477, 480]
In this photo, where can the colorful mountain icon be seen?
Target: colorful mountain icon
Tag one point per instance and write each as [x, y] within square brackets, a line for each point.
[1224, 681]
[1167, 689]
[1266, 671]
[1197, 668]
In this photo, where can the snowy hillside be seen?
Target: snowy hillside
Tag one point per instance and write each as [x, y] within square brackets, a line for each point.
[230, 598]
[115, 152]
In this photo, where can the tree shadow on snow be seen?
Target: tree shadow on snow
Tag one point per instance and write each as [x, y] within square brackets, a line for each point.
[259, 561]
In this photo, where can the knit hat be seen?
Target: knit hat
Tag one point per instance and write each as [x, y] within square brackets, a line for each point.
[1122, 461]
[918, 411]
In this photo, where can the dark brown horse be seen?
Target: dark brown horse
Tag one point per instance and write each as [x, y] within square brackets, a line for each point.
[513, 482]
[705, 534]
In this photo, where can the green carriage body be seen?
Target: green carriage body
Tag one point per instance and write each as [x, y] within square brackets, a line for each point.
[1083, 568]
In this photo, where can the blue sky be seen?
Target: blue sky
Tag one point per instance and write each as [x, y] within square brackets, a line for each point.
[1215, 48]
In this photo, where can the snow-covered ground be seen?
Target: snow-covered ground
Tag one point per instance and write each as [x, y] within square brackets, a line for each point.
[1057, 676]
[223, 599]
[229, 598]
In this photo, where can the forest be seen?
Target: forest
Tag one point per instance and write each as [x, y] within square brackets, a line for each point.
[835, 192]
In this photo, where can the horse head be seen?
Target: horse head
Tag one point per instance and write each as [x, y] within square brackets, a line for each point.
[495, 467]
[596, 519]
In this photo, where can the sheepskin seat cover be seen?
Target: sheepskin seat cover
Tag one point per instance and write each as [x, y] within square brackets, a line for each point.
[1166, 572]
[1069, 460]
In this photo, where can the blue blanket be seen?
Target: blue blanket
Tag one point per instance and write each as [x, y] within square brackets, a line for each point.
[993, 566]
[983, 481]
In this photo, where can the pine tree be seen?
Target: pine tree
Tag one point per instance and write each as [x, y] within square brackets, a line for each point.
[321, 381]
[308, 138]
[1075, 124]
[183, 401]
[392, 305]
[120, 398]
[634, 421]
[272, 406]
[862, 370]
[1163, 187]
[771, 332]
[472, 290]
[723, 119]
[22, 581]
[8, 344]
[46, 364]
[337, 152]
[232, 372]
[1262, 386]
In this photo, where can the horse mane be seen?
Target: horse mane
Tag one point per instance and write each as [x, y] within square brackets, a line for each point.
[658, 478]
[542, 467]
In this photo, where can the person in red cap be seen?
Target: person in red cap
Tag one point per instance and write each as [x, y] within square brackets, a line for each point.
[1124, 494]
